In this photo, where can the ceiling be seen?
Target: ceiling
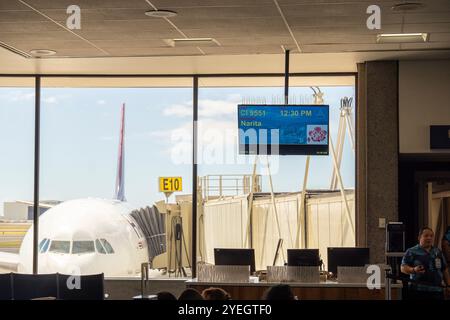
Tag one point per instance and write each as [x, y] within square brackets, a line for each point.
[114, 29]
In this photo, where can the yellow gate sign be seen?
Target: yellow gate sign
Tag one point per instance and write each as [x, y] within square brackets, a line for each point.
[170, 184]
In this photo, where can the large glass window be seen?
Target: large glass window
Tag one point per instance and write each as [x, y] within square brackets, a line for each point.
[87, 156]
[84, 158]
[16, 161]
[323, 218]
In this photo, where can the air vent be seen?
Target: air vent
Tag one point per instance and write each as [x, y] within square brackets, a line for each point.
[193, 42]
[160, 13]
[407, 6]
[37, 53]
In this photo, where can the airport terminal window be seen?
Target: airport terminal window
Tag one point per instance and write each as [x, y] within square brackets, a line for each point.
[58, 246]
[226, 174]
[80, 247]
[16, 160]
[100, 248]
[81, 122]
[107, 246]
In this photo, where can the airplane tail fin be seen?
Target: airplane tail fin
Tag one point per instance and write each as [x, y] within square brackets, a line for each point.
[120, 185]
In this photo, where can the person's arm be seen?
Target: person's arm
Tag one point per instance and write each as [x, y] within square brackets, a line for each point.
[447, 277]
[446, 250]
[412, 270]
[407, 265]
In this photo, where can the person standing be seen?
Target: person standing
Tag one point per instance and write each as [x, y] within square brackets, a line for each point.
[427, 266]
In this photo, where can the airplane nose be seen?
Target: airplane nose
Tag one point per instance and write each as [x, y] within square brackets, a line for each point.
[72, 264]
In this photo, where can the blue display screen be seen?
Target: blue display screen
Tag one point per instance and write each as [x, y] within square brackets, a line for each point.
[283, 129]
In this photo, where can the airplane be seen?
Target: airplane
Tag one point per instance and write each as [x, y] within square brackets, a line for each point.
[90, 236]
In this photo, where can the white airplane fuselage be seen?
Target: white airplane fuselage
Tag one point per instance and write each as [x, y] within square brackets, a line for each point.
[86, 236]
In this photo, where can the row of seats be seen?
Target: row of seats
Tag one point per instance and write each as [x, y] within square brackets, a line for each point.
[15, 286]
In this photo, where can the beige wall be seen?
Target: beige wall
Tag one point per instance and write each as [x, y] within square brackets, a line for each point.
[424, 100]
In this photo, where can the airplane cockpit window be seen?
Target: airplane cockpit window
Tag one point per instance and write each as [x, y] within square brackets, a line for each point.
[99, 246]
[60, 246]
[107, 246]
[80, 247]
[43, 245]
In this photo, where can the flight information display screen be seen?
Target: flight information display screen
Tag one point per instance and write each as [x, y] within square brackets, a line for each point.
[283, 129]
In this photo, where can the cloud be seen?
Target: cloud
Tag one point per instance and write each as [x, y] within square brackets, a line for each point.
[50, 100]
[179, 110]
[216, 108]
[101, 102]
[25, 95]
[54, 99]
[207, 108]
[17, 95]
[217, 142]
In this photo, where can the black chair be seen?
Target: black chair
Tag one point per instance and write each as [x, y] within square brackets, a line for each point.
[31, 286]
[91, 287]
[6, 286]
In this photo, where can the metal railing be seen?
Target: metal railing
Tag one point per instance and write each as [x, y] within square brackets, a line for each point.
[218, 186]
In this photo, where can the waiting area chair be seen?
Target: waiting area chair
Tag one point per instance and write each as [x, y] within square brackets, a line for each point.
[91, 287]
[15, 286]
[6, 286]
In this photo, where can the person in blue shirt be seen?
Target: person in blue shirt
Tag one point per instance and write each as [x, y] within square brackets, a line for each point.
[426, 266]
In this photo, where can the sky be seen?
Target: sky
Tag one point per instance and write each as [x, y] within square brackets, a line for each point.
[80, 133]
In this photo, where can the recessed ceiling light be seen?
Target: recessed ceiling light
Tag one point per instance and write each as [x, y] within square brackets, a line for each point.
[407, 6]
[160, 13]
[192, 42]
[402, 37]
[42, 52]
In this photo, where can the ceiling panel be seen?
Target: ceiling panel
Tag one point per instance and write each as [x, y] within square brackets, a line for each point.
[21, 16]
[130, 44]
[127, 35]
[86, 4]
[25, 27]
[440, 37]
[234, 13]
[347, 48]
[437, 17]
[331, 37]
[164, 4]
[124, 51]
[427, 27]
[99, 15]
[255, 40]
[241, 26]
[148, 26]
[23, 37]
[238, 49]
[11, 5]
[28, 45]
